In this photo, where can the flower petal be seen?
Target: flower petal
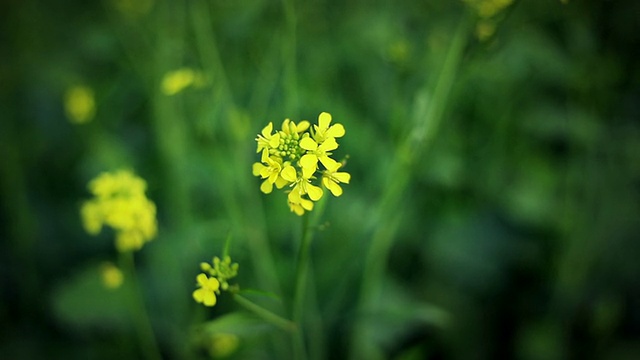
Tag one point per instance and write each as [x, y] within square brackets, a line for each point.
[257, 168]
[328, 162]
[302, 126]
[309, 161]
[308, 143]
[336, 131]
[266, 187]
[281, 182]
[266, 132]
[213, 284]
[314, 192]
[209, 298]
[343, 177]
[198, 295]
[329, 144]
[324, 119]
[202, 279]
[306, 204]
[335, 189]
[289, 173]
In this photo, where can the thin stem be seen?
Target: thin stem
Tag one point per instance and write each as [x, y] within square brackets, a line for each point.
[139, 310]
[267, 315]
[300, 286]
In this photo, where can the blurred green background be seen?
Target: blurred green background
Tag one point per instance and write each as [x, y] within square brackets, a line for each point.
[493, 209]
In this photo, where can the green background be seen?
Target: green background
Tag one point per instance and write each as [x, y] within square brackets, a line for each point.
[493, 209]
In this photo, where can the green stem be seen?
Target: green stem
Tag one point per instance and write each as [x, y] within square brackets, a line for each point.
[139, 310]
[267, 315]
[300, 286]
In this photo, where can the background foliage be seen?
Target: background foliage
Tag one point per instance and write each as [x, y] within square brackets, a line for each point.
[493, 208]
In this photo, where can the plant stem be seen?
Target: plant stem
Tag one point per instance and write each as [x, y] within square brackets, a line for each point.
[300, 286]
[267, 315]
[139, 310]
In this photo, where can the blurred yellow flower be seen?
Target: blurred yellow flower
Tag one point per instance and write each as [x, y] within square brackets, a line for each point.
[175, 81]
[222, 345]
[120, 202]
[291, 156]
[112, 277]
[80, 104]
[206, 293]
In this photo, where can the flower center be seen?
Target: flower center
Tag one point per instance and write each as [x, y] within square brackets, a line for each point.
[289, 147]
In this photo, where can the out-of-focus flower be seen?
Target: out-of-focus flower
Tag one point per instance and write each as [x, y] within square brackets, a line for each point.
[222, 345]
[112, 277]
[120, 202]
[175, 81]
[215, 276]
[80, 104]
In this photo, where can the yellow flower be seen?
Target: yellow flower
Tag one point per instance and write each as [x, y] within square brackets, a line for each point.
[80, 104]
[222, 345]
[270, 172]
[112, 277]
[120, 203]
[266, 140]
[331, 179]
[175, 81]
[324, 131]
[315, 152]
[206, 293]
[220, 272]
[291, 155]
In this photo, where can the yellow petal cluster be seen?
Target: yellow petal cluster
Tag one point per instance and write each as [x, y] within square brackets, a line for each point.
[298, 156]
[120, 202]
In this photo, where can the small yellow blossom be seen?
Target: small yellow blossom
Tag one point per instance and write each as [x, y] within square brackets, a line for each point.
[323, 131]
[80, 104]
[267, 140]
[291, 156]
[112, 277]
[331, 179]
[315, 152]
[206, 293]
[215, 276]
[120, 203]
[175, 81]
[269, 169]
[223, 270]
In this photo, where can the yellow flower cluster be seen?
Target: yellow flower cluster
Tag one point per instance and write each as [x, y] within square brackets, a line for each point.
[215, 276]
[120, 202]
[291, 156]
